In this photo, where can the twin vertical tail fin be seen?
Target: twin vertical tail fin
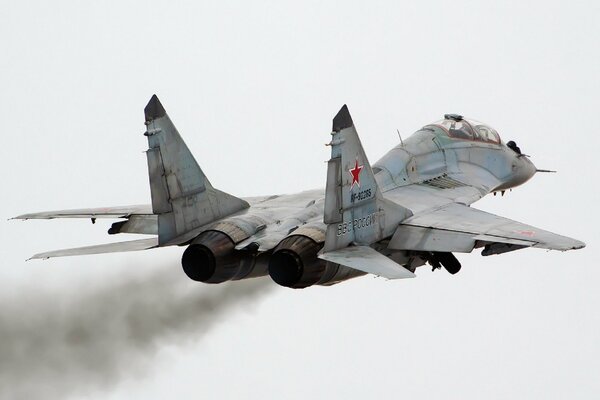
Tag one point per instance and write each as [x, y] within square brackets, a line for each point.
[355, 210]
[182, 196]
[356, 213]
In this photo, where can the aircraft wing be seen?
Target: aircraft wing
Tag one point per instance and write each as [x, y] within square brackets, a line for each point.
[101, 212]
[457, 227]
[133, 245]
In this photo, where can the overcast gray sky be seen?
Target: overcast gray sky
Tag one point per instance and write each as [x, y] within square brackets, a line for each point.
[252, 87]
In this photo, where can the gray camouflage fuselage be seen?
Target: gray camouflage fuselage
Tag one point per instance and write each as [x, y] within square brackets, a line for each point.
[412, 207]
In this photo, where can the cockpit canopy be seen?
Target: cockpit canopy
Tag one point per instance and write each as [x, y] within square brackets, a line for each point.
[455, 126]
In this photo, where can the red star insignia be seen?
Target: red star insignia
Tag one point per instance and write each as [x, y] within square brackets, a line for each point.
[526, 233]
[355, 172]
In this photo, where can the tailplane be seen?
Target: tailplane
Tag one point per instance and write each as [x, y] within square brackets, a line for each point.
[182, 196]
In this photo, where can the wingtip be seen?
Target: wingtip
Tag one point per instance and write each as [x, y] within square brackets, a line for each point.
[154, 109]
[37, 256]
[342, 120]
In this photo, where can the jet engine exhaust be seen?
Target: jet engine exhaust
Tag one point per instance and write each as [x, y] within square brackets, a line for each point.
[295, 264]
[212, 258]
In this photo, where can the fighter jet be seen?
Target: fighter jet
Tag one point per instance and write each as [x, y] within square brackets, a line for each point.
[411, 208]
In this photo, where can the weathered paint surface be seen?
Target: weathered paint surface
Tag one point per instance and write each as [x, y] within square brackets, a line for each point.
[414, 201]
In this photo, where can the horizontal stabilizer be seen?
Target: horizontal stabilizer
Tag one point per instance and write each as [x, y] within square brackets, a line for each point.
[133, 245]
[367, 259]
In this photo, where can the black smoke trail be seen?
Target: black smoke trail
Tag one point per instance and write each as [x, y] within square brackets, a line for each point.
[54, 344]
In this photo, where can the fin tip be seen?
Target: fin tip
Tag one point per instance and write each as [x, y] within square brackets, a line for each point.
[342, 120]
[154, 109]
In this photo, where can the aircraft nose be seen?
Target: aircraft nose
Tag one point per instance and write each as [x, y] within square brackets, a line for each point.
[527, 169]
[523, 170]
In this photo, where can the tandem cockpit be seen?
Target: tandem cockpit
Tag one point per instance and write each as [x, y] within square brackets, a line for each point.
[456, 127]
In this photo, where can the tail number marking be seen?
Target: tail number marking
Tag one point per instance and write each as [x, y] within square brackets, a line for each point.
[362, 195]
[356, 224]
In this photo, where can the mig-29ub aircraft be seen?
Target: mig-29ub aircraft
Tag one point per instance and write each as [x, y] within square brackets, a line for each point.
[411, 208]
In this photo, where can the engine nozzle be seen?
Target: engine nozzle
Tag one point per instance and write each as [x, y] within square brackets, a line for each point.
[211, 258]
[295, 264]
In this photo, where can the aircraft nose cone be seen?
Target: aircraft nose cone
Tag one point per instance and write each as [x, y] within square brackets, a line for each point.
[529, 168]
[523, 170]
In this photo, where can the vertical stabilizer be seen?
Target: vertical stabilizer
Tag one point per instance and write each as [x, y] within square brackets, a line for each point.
[355, 210]
[182, 196]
